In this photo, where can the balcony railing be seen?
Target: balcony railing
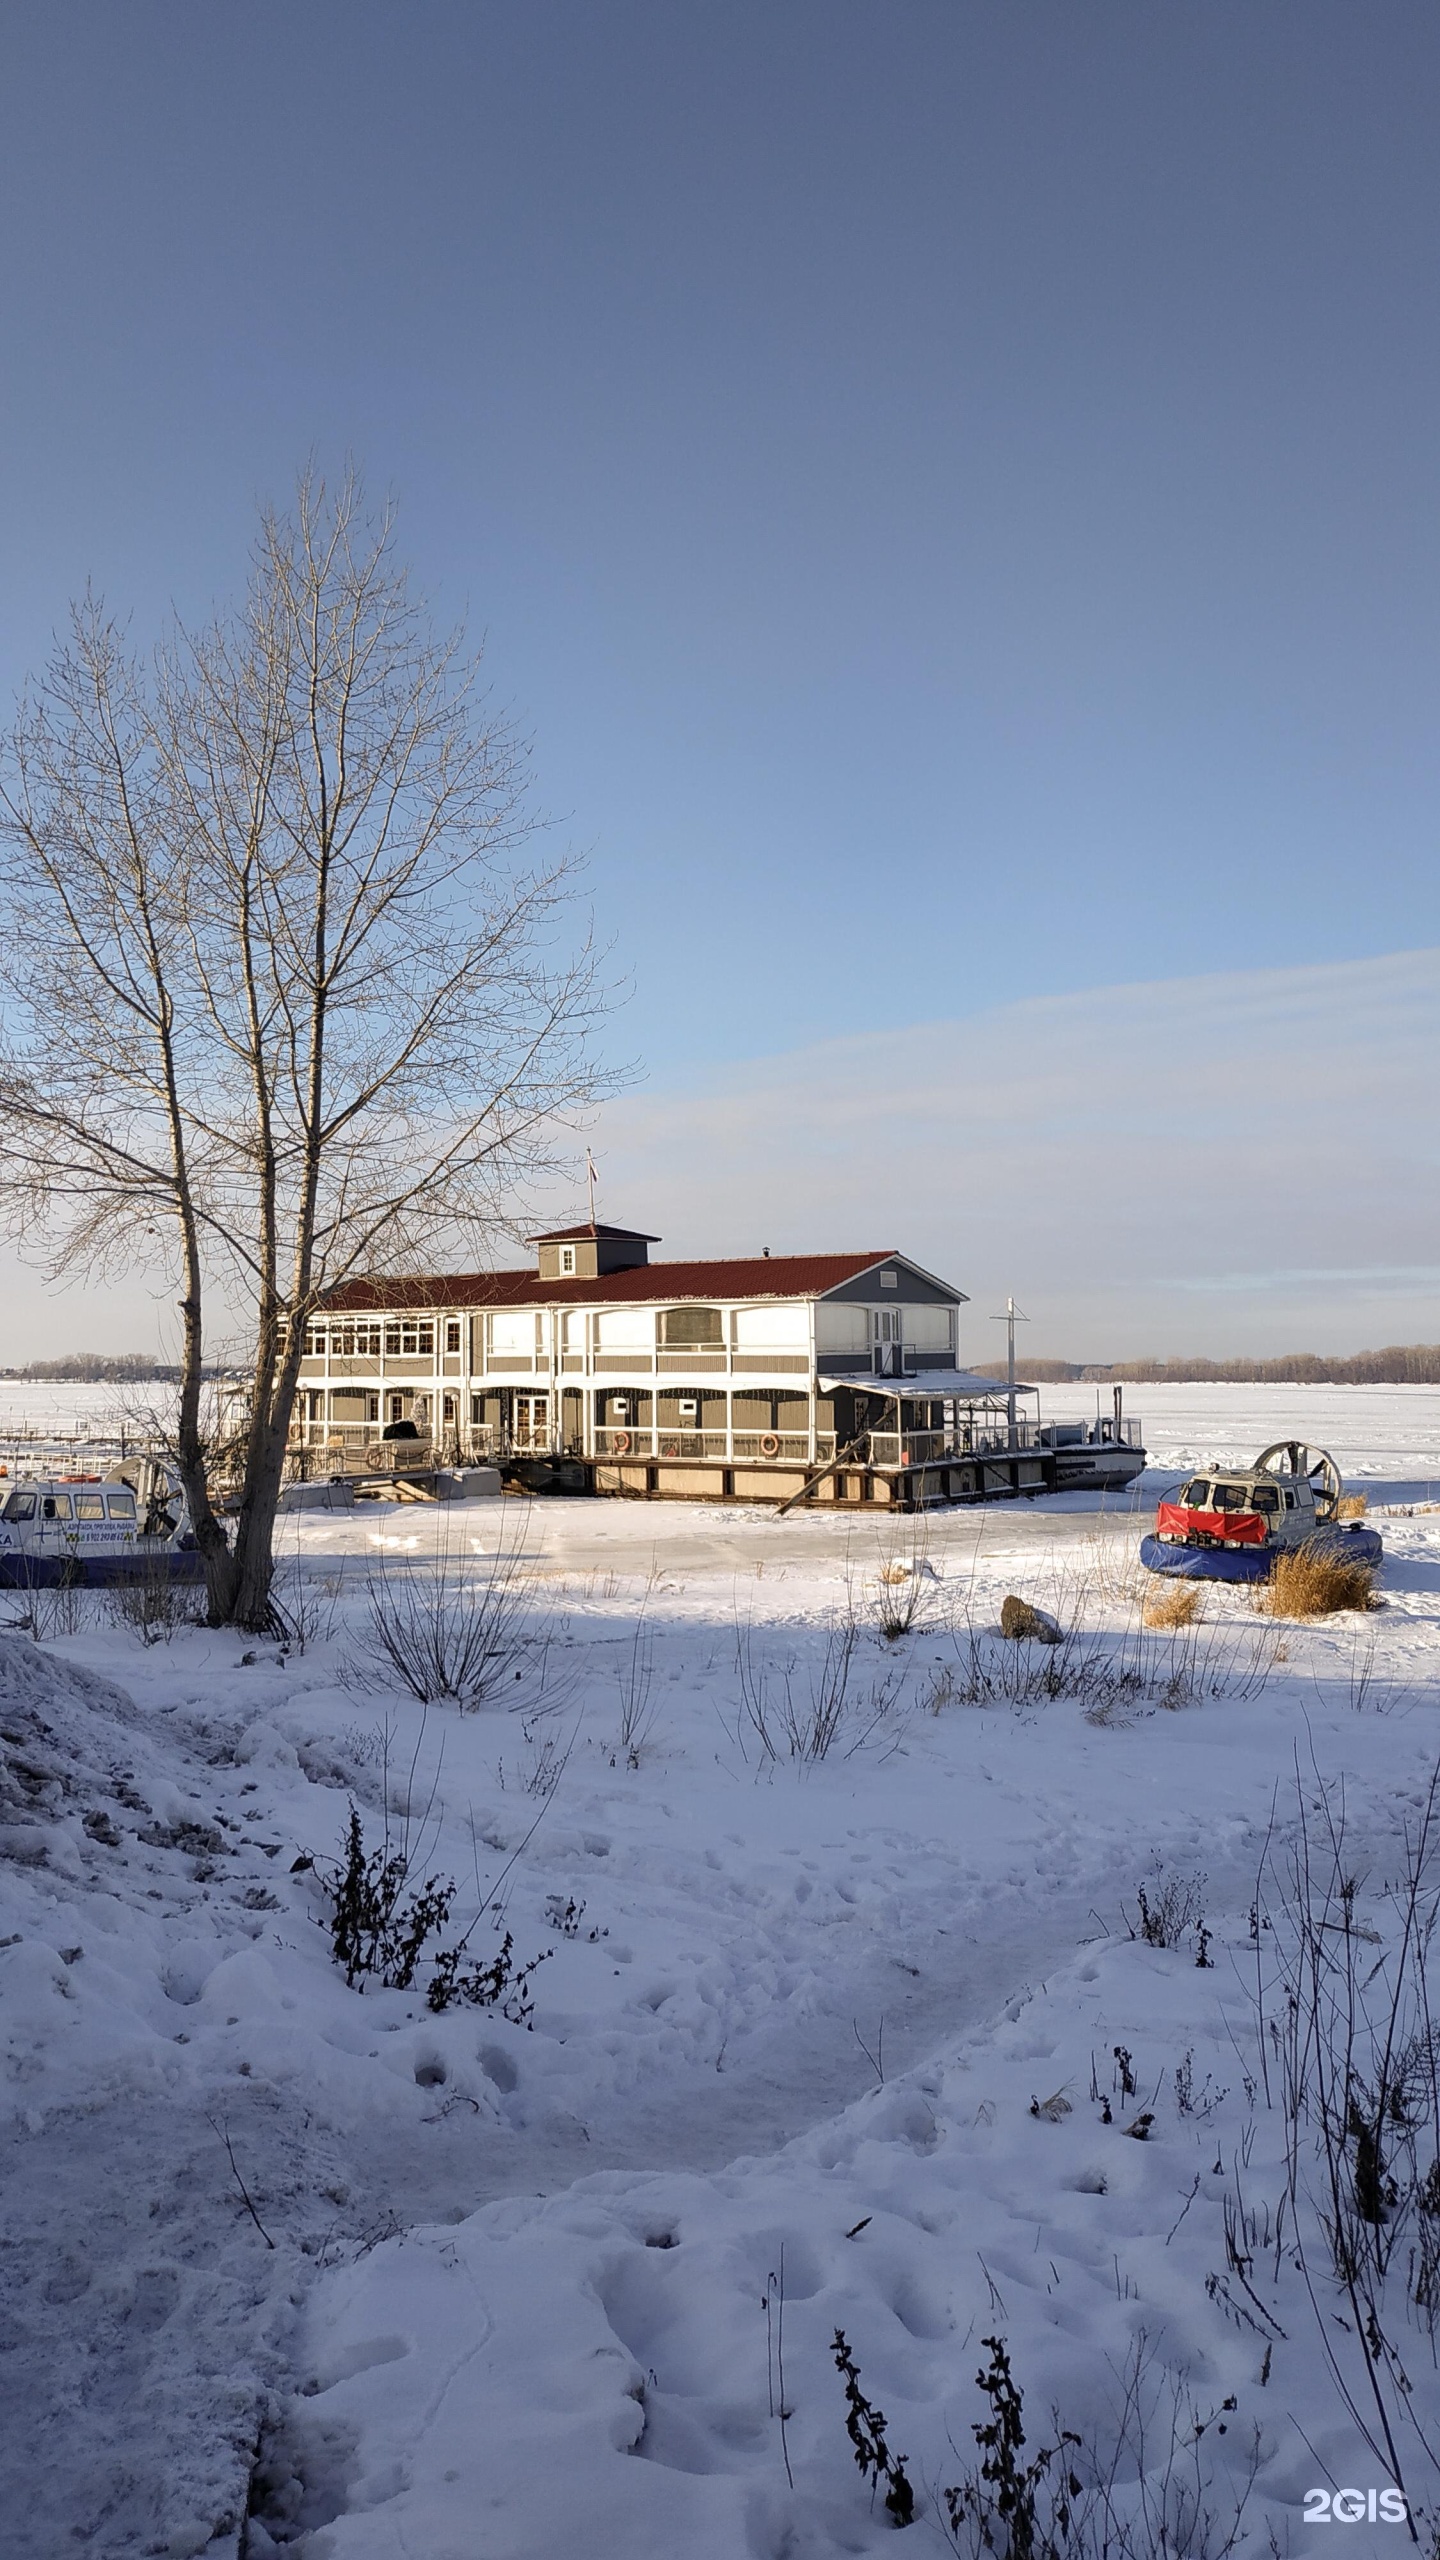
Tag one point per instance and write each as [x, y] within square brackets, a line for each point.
[320, 1446]
[644, 1441]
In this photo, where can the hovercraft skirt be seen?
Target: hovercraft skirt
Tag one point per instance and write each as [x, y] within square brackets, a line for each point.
[81, 1572]
[1256, 1564]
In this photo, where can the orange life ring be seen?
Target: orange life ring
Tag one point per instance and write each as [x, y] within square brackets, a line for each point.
[620, 1442]
[769, 1445]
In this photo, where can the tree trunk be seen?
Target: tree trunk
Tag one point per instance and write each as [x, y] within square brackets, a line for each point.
[190, 1448]
[250, 1597]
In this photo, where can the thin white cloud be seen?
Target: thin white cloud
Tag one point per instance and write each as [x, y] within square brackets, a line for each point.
[1249, 1162]
[1199, 1163]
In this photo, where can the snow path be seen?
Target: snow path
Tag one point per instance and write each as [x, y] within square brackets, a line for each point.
[751, 1921]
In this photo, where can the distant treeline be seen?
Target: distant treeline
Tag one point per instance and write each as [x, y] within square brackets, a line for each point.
[94, 1369]
[1402, 1364]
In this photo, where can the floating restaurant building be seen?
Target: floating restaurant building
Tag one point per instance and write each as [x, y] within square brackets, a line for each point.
[828, 1377]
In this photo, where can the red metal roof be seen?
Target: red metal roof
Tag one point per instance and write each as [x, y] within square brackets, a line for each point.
[780, 1275]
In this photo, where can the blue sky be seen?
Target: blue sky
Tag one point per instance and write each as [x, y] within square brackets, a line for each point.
[951, 490]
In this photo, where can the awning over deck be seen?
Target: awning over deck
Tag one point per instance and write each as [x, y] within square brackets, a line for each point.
[961, 1384]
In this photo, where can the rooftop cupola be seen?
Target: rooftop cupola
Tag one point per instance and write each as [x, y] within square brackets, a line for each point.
[588, 1252]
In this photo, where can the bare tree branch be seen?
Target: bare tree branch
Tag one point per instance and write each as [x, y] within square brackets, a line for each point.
[280, 1000]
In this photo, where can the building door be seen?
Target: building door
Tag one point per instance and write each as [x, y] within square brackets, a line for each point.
[532, 1422]
[887, 1342]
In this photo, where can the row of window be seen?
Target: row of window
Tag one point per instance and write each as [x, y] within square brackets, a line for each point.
[404, 1338]
[681, 1328]
[523, 1331]
[70, 1506]
[1201, 1495]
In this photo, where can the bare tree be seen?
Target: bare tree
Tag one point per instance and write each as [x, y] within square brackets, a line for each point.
[283, 1004]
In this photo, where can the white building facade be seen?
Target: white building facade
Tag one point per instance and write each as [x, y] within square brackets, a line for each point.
[720, 1379]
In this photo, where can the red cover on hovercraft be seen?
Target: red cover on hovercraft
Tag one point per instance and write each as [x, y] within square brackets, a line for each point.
[1237, 1528]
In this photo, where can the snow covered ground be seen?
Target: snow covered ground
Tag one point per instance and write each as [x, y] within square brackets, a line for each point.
[869, 2032]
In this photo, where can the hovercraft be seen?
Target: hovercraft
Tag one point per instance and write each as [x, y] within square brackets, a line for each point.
[1229, 1524]
[132, 1525]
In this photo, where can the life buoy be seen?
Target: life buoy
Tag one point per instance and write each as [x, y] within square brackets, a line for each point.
[769, 1445]
[620, 1442]
[669, 1448]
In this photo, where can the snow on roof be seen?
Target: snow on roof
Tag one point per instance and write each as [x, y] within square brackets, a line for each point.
[963, 1383]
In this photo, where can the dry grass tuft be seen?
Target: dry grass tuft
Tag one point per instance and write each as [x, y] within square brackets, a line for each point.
[1351, 1506]
[1174, 1604]
[1308, 1583]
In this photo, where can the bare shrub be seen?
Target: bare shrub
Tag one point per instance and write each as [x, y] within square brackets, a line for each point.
[306, 1603]
[545, 1761]
[865, 2426]
[153, 1605]
[941, 1690]
[1350, 2052]
[460, 1630]
[636, 1680]
[383, 1917]
[1113, 1676]
[1352, 1506]
[48, 1611]
[1309, 1582]
[903, 1587]
[1365, 1692]
[1168, 1909]
[1150, 2487]
[832, 1710]
[1174, 1603]
[1108, 1570]
[379, 1923]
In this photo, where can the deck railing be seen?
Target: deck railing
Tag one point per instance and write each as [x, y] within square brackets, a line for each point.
[317, 1447]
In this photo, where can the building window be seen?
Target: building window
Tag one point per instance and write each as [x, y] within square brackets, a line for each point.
[452, 1334]
[889, 1280]
[407, 1339]
[567, 1262]
[688, 1328]
[449, 1408]
[343, 1341]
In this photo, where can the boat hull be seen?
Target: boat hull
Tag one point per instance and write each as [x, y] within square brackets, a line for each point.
[21, 1572]
[1256, 1564]
[1102, 1468]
